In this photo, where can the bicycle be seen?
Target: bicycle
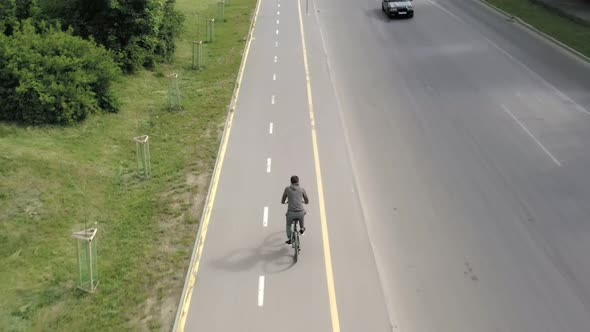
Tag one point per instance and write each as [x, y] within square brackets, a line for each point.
[295, 239]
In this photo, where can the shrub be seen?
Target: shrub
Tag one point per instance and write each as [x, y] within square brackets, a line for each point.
[139, 32]
[53, 77]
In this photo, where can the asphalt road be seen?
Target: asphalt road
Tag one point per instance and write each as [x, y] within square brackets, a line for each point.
[454, 169]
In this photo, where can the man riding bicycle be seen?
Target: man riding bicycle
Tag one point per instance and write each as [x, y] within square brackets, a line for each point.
[295, 211]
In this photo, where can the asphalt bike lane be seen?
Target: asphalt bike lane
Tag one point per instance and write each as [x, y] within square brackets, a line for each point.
[246, 278]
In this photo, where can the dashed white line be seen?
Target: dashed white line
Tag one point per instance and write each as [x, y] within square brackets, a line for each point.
[260, 291]
[270, 128]
[268, 161]
[278, 13]
[277, 32]
[274, 77]
[279, 5]
[276, 57]
[277, 21]
[272, 99]
[513, 58]
[265, 217]
[531, 135]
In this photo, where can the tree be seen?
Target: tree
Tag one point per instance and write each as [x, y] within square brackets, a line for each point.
[7, 16]
[53, 77]
[139, 32]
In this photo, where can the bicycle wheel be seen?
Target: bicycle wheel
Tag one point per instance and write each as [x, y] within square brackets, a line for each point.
[296, 247]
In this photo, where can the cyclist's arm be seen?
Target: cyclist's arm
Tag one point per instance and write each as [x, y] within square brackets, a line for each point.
[305, 199]
[284, 196]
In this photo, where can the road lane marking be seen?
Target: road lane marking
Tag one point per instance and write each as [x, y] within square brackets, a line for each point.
[270, 128]
[276, 58]
[279, 5]
[193, 270]
[274, 77]
[561, 95]
[531, 135]
[277, 32]
[514, 59]
[272, 99]
[260, 291]
[265, 217]
[322, 207]
[278, 13]
[268, 161]
[277, 21]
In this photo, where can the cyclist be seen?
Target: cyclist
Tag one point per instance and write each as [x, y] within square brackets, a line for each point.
[297, 196]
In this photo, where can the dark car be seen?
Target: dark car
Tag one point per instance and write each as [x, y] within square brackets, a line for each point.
[397, 8]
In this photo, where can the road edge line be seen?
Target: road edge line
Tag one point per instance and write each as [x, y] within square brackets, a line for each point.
[323, 220]
[191, 275]
[531, 28]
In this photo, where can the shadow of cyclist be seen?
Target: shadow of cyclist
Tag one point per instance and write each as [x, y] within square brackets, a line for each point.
[272, 253]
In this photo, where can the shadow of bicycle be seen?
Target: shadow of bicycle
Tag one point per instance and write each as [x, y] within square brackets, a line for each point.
[272, 253]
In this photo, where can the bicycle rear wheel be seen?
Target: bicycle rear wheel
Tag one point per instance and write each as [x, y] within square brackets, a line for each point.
[296, 247]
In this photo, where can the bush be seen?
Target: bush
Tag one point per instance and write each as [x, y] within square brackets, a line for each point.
[53, 77]
[139, 32]
[7, 16]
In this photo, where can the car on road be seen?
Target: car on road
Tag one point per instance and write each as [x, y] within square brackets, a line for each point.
[397, 8]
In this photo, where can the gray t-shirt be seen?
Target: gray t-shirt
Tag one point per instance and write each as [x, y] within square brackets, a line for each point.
[297, 196]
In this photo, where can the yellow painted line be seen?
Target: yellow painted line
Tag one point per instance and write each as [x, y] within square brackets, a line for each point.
[215, 181]
[318, 171]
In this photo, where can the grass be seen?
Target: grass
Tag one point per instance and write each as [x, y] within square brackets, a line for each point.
[54, 181]
[569, 32]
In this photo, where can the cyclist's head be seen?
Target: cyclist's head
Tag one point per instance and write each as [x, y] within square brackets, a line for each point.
[294, 179]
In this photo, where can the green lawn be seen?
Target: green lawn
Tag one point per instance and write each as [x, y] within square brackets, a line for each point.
[55, 180]
[571, 33]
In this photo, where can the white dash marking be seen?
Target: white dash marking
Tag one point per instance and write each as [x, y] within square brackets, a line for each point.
[265, 217]
[279, 5]
[531, 135]
[276, 59]
[277, 21]
[276, 44]
[260, 291]
[278, 13]
[274, 77]
[270, 128]
[527, 68]
[268, 161]
[277, 32]
[272, 99]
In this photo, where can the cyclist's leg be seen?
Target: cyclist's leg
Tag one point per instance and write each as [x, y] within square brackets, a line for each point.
[289, 222]
[301, 220]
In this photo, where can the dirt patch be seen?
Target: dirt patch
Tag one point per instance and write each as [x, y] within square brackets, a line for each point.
[183, 204]
[28, 202]
[143, 323]
[168, 310]
[49, 315]
[199, 185]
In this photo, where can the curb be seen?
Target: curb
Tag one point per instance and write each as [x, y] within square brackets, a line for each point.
[230, 110]
[537, 31]
[561, 12]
